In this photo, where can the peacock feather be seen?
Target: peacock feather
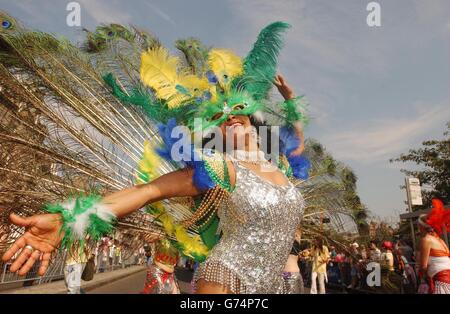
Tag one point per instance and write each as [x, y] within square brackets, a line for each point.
[195, 54]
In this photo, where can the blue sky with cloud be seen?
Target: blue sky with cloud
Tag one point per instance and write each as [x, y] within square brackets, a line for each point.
[373, 92]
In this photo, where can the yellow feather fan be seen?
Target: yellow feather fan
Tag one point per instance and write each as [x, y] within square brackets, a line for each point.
[225, 65]
[160, 71]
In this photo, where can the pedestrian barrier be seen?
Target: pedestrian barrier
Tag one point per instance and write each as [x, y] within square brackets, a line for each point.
[56, 269]
[54, 272]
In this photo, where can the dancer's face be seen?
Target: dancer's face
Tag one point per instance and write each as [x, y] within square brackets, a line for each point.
[237, 128]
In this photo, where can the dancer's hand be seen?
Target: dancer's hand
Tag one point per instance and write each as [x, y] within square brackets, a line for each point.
[42, 234]
[284, 89]
[287, 93]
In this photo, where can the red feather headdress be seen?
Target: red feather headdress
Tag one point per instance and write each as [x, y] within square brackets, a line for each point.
[437, 218]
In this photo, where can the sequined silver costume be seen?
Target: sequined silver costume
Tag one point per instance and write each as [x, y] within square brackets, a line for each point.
[258, 224]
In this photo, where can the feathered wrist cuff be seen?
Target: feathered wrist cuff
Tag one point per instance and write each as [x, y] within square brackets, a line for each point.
[83, 216]
[294, 110]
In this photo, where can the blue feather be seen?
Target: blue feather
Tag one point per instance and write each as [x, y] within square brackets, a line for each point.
[190, 158]
[165, 131]
[300, 166]
[289, 141]
[201, 178]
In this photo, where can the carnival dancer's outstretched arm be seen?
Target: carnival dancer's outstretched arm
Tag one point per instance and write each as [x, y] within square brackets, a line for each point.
[287, 93]
[43, 232]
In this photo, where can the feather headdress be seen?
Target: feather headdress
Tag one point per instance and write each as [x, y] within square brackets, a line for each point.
[438, 218]
[224, 78]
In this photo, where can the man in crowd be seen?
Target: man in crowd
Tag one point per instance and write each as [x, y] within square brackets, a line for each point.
[76, 259]
[375, 253]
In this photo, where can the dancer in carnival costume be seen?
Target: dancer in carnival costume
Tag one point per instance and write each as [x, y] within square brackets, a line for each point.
[245, 216]
[161, 273]
[434, 252]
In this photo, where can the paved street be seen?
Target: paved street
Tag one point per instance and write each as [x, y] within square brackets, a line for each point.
[134, 284]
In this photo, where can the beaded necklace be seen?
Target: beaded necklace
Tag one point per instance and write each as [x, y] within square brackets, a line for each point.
[252, 157]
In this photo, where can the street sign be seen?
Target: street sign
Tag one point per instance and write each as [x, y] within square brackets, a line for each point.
[415, 193]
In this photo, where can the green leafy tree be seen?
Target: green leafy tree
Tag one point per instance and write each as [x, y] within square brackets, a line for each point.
[434, 157]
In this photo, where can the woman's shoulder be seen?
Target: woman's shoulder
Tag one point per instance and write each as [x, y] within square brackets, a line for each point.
[217, 166]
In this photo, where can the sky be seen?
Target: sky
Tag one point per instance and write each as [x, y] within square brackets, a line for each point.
[373, 92]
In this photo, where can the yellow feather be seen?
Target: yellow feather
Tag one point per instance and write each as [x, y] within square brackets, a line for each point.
[159, 71]
[190, 244]
[225, 65]
[195, 85]
[149, 164]
[167, 222]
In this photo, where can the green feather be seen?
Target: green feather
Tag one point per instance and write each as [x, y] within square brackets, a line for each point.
[97, 227]
[294, 110]
[261, 62]
[156, 110]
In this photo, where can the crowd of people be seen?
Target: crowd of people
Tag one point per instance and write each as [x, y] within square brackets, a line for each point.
[349, 268]
[107, 254]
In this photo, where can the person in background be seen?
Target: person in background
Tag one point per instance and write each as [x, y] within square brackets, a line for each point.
[320, 258]
[391, 281]
[111, 252]
[117, 254]
[102, 256]
[387, 257]
[142, 256]
[293, 281]
[76, 259]
[406, 251]
[434, 252]
[340, 261]
[354, 272]
[354, 249]
[148, 255]
[363, 252]
[404, 269]
[333, 272]
[375, 253]
[333, 253]
[161, 274]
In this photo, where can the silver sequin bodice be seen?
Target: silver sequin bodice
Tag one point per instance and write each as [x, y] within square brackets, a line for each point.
[258, 226]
